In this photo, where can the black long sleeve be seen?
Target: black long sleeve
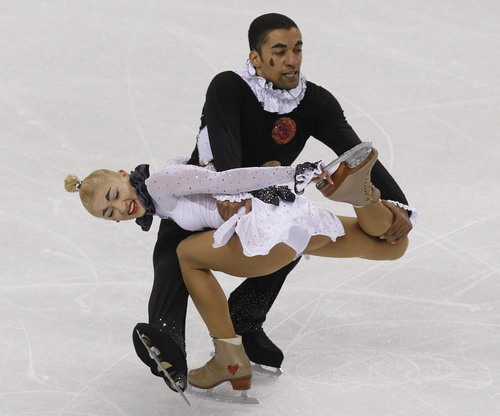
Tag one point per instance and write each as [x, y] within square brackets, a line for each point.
[241, 131]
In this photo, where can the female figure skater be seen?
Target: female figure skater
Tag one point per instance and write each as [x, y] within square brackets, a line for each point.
[248, 244]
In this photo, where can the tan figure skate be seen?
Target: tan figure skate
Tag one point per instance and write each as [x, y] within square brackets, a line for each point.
[352, 179]
[229, 363]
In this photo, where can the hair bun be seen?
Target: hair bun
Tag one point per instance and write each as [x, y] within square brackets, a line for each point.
[72, 183]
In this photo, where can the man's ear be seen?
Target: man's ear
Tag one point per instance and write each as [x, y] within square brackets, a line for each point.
[255, 59]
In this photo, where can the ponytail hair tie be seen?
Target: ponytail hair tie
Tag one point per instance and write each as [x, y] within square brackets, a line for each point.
[78, 186]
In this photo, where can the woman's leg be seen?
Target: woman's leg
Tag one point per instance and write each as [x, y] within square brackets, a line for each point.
[197, 256]
[356, 243]
[374, 218]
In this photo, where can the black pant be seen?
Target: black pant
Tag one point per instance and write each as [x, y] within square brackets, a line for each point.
[248, 304]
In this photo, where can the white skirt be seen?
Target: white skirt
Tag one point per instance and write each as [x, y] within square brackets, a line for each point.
[292, 223]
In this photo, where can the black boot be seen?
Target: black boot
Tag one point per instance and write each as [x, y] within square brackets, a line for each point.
[166, 350]
[261, 350]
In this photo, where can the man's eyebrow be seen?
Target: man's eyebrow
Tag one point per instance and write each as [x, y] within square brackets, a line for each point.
[282, 45]
[107, 195]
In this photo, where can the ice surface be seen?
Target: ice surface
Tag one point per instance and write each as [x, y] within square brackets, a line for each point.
[91, 84]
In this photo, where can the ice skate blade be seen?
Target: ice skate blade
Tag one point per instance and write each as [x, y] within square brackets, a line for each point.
[210, 394]
[154, 355]
[275, 372]
[354, 156]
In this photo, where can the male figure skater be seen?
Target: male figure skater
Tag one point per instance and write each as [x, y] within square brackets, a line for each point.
[266, 111]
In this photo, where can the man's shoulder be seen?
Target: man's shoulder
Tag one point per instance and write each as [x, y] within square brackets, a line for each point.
[317, 93]
[226, 77]
[316, 89]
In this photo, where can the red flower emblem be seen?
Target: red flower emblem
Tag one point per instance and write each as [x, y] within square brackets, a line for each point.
[284, 130]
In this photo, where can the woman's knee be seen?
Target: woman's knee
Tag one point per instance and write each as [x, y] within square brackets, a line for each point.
[185, 252]
[398, 250]
[191, 251]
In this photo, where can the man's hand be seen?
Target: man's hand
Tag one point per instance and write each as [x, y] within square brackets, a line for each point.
[400, 227]
[227, 209]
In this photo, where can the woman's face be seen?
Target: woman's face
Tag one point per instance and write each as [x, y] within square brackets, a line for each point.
[115, 199]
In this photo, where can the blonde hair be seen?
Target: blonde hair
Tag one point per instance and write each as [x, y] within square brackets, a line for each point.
[86, 187]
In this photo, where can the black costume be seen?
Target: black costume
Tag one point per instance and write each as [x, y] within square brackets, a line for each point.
[242, 134]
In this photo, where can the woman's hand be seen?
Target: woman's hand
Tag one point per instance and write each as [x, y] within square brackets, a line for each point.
[323, 176]
[227, 209]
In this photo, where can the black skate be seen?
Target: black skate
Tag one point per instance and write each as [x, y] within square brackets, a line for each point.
[154, 348]
[263, 353]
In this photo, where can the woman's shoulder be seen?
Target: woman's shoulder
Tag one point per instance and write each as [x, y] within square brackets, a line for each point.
[170, 166]
[177, 161]
[179, 164]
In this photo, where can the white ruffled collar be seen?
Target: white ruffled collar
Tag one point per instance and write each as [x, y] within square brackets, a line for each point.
[273, 100]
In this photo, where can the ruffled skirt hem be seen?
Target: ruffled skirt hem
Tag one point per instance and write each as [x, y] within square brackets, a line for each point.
[292, 223]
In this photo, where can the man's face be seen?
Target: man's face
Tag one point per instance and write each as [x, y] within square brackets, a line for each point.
[280, 59]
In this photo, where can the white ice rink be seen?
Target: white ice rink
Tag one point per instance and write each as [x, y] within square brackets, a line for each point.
[114, 83]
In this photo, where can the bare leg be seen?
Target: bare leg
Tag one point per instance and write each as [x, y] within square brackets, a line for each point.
[197, 256]
[211, 302]
[355, 243]
[374, 218]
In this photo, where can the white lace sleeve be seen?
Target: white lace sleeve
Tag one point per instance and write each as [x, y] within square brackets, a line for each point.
[179, 180]
[233, 197]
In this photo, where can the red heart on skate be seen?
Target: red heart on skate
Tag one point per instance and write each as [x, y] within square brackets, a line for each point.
[233, 368]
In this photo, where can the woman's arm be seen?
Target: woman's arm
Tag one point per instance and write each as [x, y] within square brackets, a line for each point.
[179, 180]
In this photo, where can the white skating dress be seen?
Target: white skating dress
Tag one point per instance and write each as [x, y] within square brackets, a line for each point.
[187, 194]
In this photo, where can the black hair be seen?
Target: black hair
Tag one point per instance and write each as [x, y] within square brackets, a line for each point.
[264, 24]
